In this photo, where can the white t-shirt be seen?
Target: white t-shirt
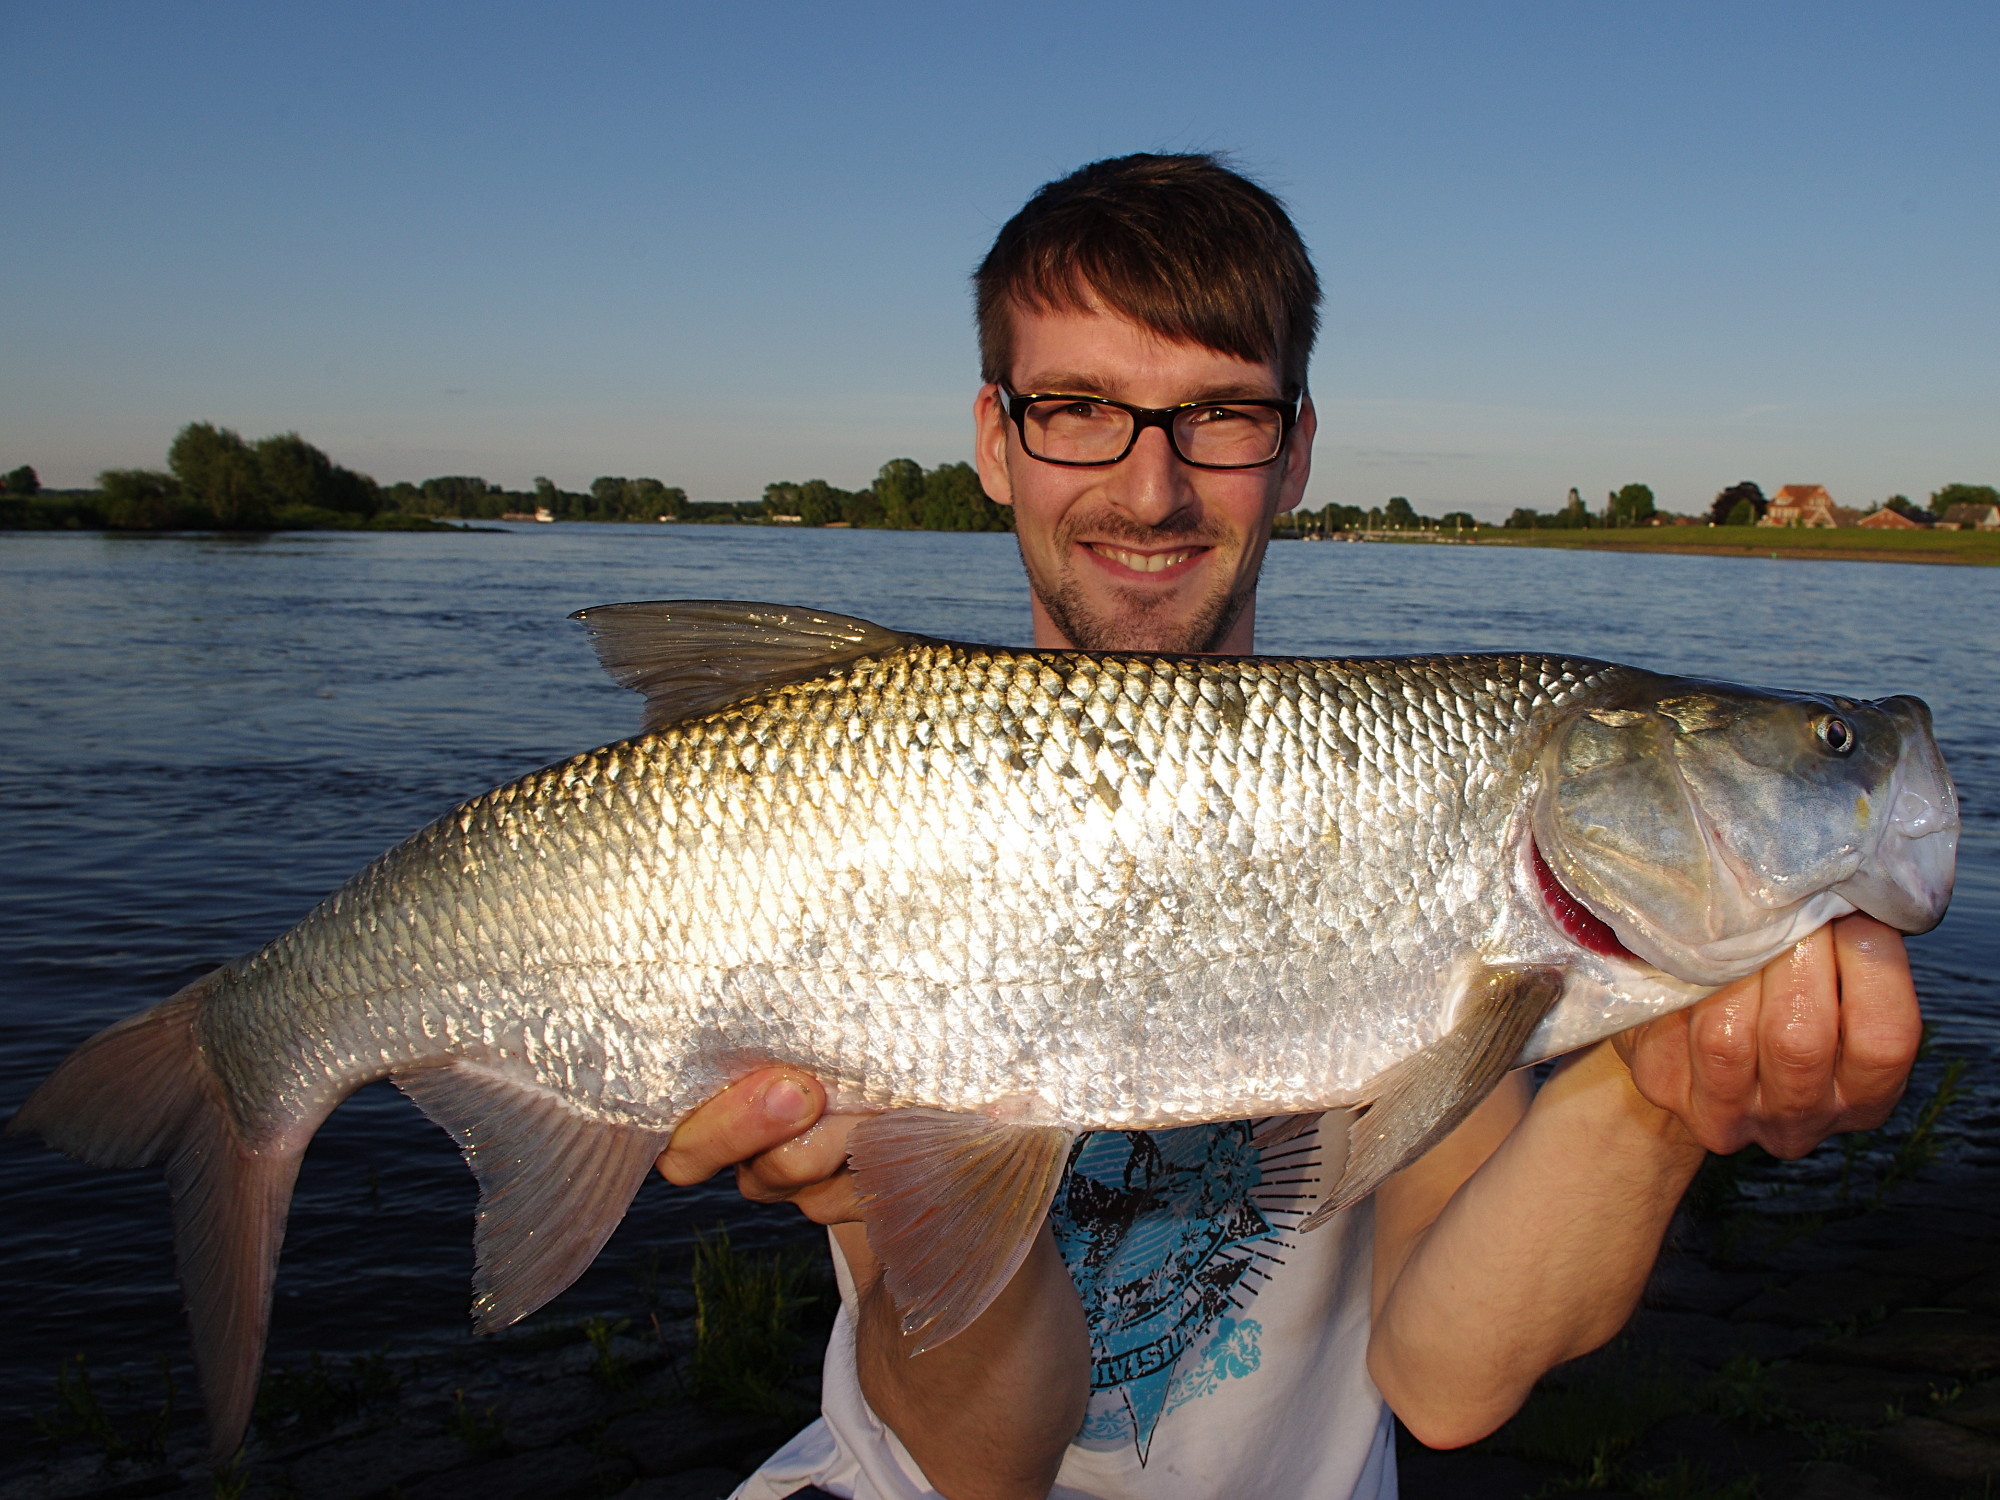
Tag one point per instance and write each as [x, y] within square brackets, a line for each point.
[1228, 1348]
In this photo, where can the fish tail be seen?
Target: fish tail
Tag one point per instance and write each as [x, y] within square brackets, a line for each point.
[141, 1092]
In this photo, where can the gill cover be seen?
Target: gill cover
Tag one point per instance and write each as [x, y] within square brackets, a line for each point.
[1715, 826]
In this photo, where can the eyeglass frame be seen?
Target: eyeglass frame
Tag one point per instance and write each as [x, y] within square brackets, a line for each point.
[1162, 417]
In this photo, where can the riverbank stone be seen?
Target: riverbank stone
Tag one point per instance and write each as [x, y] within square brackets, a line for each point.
[1943, 1453]
[567, 1472]
[1943, 1340]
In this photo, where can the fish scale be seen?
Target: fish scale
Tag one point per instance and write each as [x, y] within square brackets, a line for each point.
[989, 886]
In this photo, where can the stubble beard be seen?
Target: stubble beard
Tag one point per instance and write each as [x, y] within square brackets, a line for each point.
[1139, 620]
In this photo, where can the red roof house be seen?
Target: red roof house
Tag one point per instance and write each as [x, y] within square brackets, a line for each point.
[1801, 505]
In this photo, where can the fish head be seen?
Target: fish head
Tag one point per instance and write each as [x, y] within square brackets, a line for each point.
[1711, 827]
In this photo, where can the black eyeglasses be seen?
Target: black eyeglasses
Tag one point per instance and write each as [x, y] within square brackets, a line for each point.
[1086, 432]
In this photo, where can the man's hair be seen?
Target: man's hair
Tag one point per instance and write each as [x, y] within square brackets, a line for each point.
[1181, 245]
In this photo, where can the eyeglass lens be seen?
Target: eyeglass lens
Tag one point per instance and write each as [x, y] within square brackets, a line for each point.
[1088, 432]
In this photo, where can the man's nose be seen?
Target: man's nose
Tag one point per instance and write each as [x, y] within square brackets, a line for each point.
[1152, 484]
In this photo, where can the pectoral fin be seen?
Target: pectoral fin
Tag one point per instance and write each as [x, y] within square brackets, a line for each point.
[1423, 1098]
[953, 1204]
[1285, 1128]
[553, 1183]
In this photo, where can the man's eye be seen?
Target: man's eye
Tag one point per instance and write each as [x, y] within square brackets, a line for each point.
[1211, 416]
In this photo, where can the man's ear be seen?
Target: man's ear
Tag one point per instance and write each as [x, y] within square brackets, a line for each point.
[989, 445]
[1298, 459]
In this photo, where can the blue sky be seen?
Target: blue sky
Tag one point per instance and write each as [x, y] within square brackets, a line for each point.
[1563, 244]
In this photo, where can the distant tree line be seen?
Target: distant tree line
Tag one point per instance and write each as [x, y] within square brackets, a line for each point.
[215, 480]
[1629, 505]
[1397, 515]
[467, 497]
[904, 497]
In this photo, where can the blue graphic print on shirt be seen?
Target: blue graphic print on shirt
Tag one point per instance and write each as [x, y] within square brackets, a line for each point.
[1166, 1238]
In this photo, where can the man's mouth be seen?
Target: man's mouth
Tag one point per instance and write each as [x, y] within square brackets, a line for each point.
[1580, 924]
[1144, 562]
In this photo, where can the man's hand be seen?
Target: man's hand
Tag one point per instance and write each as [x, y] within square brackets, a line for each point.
[988, 1414]
[1821, 1040]
[768, 1126]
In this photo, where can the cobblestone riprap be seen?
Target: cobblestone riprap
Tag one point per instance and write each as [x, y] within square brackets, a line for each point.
[1808, 1335]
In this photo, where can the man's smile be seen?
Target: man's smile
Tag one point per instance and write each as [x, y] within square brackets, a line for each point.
[1175, 561]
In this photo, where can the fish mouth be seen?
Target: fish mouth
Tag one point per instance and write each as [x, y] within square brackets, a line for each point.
[1576, 921]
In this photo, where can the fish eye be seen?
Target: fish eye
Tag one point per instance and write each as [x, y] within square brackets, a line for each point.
[1836, 734]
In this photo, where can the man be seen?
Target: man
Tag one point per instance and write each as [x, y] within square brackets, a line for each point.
[1171, 1334]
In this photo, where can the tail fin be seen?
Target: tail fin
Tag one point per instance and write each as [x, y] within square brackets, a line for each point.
[140, 1092]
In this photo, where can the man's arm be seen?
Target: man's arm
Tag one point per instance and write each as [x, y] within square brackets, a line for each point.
[987, 1415]
[1526, 1238]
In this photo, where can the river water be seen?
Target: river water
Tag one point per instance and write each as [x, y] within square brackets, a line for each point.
[199, 737]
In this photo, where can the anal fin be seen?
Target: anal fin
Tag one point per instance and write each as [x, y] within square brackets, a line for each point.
[953, 1205]
[553, 1183]
[1425, 1097]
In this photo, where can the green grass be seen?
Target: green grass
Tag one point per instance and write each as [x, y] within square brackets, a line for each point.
[80, 1417]
[1975, 547]
[308, 1400]
[750, 1312]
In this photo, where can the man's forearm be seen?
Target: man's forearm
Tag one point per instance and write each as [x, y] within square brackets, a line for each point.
[988, 1414]
[1539, 1257]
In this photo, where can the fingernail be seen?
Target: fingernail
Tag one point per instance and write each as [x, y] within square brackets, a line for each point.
[786, 1102]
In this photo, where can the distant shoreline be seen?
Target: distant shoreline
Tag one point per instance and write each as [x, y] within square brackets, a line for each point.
[1844, 544]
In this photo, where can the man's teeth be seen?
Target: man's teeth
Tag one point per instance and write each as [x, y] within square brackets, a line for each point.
[1144, 562]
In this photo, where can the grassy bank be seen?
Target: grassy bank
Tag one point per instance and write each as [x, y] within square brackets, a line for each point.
[1844, 544]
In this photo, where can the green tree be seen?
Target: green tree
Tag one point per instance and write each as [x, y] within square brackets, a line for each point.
[954, 500]
[21, 481]
[1522, 519]
[146, 500]
[1630, 505]
[219, 471]
[466, 496]
[781, 499]
[651, 500]
[294, 472]
[899, 490]
[1400, 515]
[819, 502]
[860, 507]
[1963, 494]
[1574, 515]
[1902, 505]
[1723, 509]
[1459, 520]
[1743, 514]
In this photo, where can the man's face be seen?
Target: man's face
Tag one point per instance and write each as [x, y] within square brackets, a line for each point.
[1148, 554]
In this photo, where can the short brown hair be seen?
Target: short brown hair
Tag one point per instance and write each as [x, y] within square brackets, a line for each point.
[1182, 245]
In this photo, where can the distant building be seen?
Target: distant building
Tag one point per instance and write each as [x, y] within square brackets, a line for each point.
[1886, 519]
[1971, 518]
[1801, 505]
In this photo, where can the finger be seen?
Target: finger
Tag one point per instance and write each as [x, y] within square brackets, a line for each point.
[780, 1173]
[1657, 1055]
[834, 1201]
[753, 1114]
[1798, 1047]
[1722, 1065]
[1881, 1024]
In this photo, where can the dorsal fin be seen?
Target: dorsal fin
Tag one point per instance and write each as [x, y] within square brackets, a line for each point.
[693, 656]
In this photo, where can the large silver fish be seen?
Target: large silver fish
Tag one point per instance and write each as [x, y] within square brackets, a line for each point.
[999, 897]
